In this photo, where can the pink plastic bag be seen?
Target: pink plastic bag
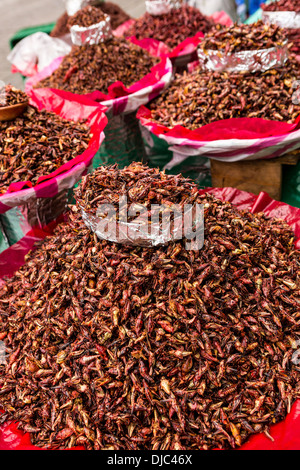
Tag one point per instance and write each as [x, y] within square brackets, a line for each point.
[286, 434]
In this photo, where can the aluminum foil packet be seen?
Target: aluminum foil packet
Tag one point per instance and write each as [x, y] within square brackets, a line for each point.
[94, 34]
[244, 61]
[156, 227]
[284, 19]
[161, 7]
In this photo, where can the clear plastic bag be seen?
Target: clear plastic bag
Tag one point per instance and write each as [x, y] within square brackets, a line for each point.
[35, 52]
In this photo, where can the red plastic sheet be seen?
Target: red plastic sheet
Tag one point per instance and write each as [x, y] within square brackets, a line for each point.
[285, 435]
[235, 128]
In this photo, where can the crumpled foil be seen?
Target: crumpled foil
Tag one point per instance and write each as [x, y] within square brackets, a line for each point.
[137, 233]
[244, 61]
[72, 6]
[94, 34]
[161, 7]
[284, 19]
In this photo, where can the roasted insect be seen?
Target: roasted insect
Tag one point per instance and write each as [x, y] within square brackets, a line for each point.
[117, 347]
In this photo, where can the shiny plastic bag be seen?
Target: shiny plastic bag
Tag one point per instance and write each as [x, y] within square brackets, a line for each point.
[35, 52]
[123, 142]
[291, 184]
[158, 155]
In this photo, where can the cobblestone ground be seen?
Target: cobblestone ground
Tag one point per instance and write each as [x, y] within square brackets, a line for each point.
[18, 14]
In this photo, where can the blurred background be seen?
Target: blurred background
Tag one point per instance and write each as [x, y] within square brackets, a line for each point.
[18, 14]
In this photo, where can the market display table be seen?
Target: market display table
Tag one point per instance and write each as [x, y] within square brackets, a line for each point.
[253, 176]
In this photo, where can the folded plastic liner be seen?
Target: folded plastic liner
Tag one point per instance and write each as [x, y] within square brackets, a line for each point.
[4, 243]
[159, 155]
[36, 51]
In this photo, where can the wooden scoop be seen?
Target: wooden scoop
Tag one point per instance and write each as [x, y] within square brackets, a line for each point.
[7, 113]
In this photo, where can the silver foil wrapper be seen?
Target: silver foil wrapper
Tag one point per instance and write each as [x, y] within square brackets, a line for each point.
[284, 19]
[140, 232]
[94, 34]
[72, 6]
[244, 61]
[161, 7]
